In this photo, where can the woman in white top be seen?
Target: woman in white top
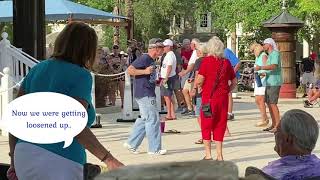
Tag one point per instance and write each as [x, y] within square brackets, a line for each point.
[259, 92]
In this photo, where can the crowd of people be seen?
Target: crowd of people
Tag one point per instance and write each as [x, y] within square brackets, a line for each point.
[200, 75]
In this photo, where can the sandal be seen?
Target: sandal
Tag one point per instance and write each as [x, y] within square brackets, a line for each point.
[268, 129]
[205, 159]
[173, 131]
[169, 119]
[263, 123]
[273, 130]
[200, 141]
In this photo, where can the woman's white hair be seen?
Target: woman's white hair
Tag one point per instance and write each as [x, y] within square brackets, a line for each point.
[302, 126]
[203, 48]
[215, 47]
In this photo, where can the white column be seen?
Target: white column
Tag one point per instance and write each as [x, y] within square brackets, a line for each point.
[229, 40]
[305, 48]
[127, 113]
[6, 93]
[5, 58]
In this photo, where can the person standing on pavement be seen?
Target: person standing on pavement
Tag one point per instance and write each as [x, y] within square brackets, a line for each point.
[273, 81]
[235, 63]
[167, 74]
[196, 91]
[143, 68]
[259, 92]
[177, 81]
[188, 85]
[214, 75]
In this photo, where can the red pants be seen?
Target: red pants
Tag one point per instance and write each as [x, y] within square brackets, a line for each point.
[218, 122]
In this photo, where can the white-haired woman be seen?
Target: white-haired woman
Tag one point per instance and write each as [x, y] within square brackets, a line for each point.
[195, 93]
[259, 92]
[214, 74]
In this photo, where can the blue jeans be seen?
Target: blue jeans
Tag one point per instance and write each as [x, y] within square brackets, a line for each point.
[148, 125]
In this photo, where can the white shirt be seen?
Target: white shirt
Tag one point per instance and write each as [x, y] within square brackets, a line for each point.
[169, 60]
[193, 58]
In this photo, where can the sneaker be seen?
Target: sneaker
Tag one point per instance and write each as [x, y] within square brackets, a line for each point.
[305, 95]
[160, 152]
[230, 116]
[180, 109]
[188, 113]
[184, 111]
[192, 114]
[307, 104]
[130, 148]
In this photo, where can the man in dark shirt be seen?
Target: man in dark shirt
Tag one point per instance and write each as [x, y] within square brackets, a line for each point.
[307, 70]
[143, 68]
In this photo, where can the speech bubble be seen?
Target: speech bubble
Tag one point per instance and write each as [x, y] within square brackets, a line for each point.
[45, 118]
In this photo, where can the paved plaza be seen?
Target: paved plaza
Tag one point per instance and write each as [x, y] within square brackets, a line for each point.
[247, 146]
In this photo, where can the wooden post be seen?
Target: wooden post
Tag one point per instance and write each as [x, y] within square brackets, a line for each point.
[285, 39]
[29, 27]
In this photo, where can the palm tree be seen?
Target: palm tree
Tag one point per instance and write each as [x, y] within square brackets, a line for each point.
[130, 14]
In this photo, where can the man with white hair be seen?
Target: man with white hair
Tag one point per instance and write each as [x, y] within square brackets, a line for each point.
[188, 85]
[273, 81]
[295, 138]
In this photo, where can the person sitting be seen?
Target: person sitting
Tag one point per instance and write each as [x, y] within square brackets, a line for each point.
[295, 138]
[313, 95]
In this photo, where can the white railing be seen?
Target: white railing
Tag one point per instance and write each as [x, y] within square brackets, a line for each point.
[18, 61]
[15, 65]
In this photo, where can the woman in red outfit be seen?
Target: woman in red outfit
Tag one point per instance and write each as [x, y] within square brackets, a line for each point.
[212, 66]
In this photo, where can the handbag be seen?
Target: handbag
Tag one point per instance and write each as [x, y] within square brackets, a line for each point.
[206, 108]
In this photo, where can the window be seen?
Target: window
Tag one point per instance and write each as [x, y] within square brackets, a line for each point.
[204, 20]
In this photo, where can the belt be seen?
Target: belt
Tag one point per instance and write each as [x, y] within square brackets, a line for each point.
[308, 71]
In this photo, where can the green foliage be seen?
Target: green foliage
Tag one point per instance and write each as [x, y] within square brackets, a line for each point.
[105, 5]
[8, 28]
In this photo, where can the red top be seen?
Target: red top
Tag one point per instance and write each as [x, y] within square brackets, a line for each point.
[186, 55]
[209, 70]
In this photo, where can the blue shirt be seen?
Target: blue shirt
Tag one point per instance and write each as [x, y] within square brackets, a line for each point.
[69, 79]
[144, 84]
[228, 54]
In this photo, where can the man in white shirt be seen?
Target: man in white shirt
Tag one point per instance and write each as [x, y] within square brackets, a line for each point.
[167, 73]
[189, 83]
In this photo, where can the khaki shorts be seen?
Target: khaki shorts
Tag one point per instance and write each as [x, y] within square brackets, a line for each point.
[188, 86]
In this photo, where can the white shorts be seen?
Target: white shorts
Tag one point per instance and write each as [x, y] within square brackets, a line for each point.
[308, 78]
[259, 91]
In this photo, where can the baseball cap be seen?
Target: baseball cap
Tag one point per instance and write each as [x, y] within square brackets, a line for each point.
[167, 42]
[271, 42]
[155, 42]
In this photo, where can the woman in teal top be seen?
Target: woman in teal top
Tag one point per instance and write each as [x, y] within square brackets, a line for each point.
[67, 72]
[259, 92]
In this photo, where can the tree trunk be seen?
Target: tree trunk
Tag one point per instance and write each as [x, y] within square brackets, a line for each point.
[130, 15]
[116, 33]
